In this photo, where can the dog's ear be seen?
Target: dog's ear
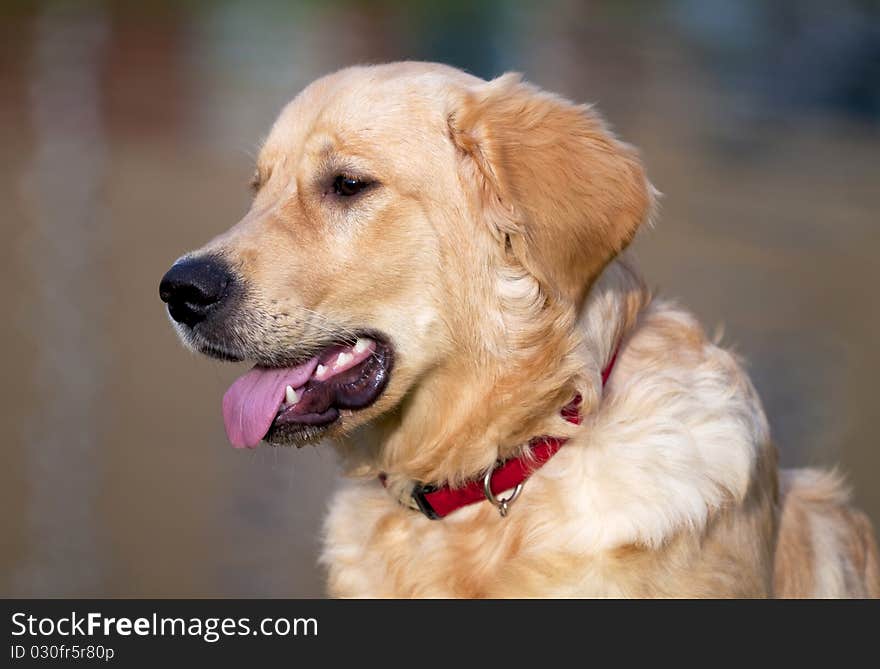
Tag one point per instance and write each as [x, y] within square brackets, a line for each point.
[559, 190]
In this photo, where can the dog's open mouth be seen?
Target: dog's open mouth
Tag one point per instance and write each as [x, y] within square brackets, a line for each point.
[278, 403]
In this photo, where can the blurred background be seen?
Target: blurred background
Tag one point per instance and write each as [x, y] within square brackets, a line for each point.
[128, 135]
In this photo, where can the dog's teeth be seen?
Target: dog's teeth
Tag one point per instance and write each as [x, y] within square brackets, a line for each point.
[343, 359]
[320, 371]
[291, 395]
[361, 345]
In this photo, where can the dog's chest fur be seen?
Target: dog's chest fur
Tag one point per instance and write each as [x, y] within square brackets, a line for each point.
[668, 490]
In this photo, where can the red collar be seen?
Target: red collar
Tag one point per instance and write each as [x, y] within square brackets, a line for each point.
[439, 501]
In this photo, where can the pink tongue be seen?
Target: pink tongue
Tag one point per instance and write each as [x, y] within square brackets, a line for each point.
[252, 402]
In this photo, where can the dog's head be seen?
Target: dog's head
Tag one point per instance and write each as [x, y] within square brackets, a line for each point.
[418, 246]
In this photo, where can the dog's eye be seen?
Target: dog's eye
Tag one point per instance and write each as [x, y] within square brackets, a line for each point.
[346, 186]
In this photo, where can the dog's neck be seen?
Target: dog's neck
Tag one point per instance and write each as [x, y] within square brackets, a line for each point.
[465, 417]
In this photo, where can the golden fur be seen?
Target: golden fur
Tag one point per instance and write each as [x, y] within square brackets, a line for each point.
[492, 257]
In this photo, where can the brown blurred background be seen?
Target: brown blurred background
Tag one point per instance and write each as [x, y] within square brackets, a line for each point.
[128, 132]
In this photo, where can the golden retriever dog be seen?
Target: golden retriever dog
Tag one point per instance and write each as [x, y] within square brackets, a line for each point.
[432, 276]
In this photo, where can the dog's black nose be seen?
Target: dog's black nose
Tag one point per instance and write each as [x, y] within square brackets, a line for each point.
[193, 287]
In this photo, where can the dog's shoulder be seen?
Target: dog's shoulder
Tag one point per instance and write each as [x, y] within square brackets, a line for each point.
[680, 433]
